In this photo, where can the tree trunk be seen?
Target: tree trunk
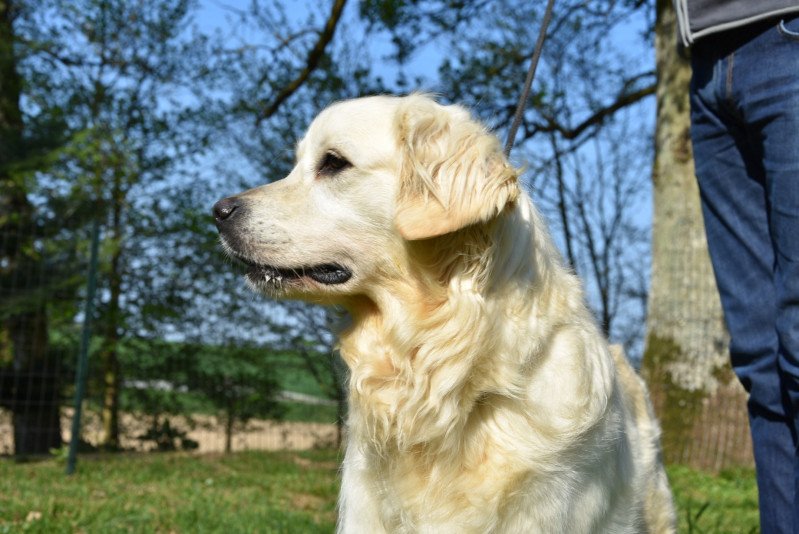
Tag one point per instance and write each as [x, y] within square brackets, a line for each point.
[340, 375]
[36, 394]
[230, 418]
[109, 355]
[341, 420]
[30, 373]
[110, 410]
[700, 403]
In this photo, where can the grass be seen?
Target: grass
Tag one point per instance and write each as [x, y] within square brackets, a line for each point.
[243, 492]
[291, 492]
[720, 504]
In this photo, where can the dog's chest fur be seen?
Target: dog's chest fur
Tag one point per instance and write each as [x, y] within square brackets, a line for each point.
[479, 435]
[417, 490]
[499, 477]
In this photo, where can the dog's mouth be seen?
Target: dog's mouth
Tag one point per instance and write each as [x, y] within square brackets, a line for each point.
[329, 274]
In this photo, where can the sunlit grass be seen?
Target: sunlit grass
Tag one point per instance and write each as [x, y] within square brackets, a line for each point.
[243, 492]
[291, 492]
[720, 504]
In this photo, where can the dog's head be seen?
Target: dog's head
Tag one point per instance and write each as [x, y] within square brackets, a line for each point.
[372, 175]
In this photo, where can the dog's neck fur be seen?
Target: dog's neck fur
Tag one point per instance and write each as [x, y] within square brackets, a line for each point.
[414, 379]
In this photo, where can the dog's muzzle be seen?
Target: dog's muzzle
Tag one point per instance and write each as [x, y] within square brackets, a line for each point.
[228, 213]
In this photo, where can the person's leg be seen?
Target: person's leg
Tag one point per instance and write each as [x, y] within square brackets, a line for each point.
[771, 88]
[735, 207]
[735, 211]
[773, 449]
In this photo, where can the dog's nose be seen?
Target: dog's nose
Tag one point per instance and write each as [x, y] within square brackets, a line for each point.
[225, 208]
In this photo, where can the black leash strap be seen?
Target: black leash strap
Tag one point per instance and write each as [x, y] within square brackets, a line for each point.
[517, 118]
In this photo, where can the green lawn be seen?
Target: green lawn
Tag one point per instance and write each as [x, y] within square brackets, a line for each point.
[726, 503]
[173, 492]
[261, 492]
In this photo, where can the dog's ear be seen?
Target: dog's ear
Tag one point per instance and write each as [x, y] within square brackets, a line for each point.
[454, 173]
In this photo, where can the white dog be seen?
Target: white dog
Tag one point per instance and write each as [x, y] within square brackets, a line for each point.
[483, 397]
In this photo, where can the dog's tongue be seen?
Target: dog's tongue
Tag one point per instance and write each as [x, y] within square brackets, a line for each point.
[329, 274]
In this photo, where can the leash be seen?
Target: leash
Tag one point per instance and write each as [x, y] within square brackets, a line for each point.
[539, 45]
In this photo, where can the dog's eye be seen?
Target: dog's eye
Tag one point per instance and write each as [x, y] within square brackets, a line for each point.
[332, 163]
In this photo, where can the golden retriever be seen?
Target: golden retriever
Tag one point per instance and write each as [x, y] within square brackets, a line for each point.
[483, 396]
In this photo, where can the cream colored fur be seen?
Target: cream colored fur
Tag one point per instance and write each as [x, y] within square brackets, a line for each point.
[483, 397]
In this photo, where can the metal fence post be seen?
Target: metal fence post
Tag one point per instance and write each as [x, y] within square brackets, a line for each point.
[83, 355]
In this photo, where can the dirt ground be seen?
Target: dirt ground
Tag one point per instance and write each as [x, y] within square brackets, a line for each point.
[210, 434]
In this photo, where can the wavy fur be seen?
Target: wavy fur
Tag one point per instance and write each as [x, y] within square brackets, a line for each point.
[483, 396]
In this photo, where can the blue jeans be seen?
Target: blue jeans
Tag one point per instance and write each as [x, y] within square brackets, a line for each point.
[745, 133]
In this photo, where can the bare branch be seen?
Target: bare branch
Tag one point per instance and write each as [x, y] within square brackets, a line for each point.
[311, 62]
[564, 219]
[623, 100]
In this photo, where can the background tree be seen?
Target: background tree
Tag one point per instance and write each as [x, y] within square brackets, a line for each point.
[174, 387]
[308, 332]
[29, 369]
[700, 403]
[145, 115]
[240, 383]
[120, 69]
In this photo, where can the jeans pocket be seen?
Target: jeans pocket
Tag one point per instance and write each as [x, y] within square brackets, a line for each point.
[789, 28]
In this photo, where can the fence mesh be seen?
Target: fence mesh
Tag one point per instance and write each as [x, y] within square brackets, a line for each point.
[34, 370]
[148, 394]
[143, 393]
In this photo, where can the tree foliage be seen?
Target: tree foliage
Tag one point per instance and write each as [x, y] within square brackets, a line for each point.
[143, 115]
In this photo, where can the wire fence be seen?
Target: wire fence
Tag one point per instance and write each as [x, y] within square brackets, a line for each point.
[142, 394]
[147, 394]
[32, 368]
[709, 431]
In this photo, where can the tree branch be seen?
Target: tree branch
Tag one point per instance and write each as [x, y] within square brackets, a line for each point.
[623, 100]
[564, 219]
[311, 62]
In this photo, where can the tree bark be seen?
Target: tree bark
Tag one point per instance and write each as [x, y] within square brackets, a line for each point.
[700, 404]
